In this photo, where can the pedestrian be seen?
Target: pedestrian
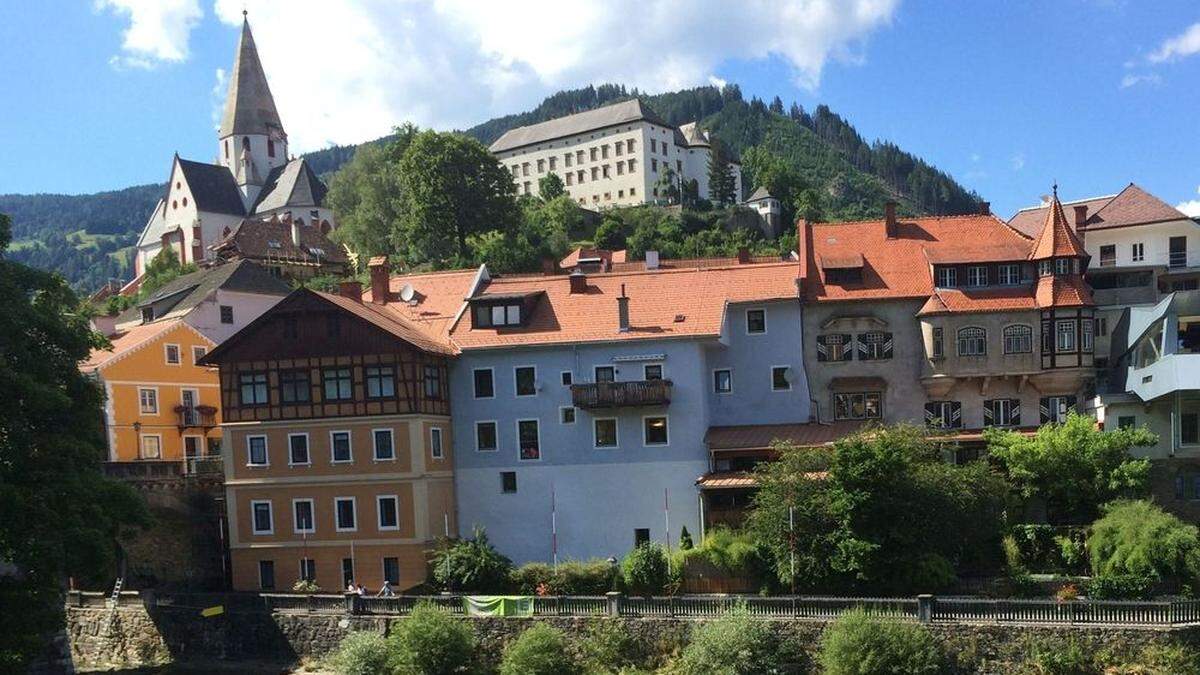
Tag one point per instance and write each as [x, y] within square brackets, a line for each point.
[386, 590]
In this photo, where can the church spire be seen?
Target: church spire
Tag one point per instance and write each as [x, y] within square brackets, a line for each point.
[249, 106]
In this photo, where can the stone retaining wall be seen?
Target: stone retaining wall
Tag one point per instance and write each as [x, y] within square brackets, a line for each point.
[139, 637]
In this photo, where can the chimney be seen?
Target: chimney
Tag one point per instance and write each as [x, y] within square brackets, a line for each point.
[379, 279]
[623, 311]
[351, 289]
[803, 239]
[743, 255]
[889, 219]
[578, 281]
[651, 260]
[1081, 216]
[985, 208]
[549, 266]
[295, 234]
[105, 325]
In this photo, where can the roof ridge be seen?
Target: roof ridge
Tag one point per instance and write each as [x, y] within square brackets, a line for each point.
[1075, 201]
[911, 220]
[661, 270]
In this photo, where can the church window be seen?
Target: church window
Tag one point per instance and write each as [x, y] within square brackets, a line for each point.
[226, 148]
[178, 185]
[270, 148]
[174, 204]
[185, 201]
[246, 143]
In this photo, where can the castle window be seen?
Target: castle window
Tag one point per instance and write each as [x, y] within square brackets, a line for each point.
[270, 148]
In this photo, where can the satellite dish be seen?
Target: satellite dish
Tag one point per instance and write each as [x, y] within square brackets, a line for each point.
[408, 293]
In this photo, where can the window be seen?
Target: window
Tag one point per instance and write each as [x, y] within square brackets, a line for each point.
[938, 348]
[151, 447]
[529, 440]
[260, 517]
[652, 371]
[947, 277]
[1009, 275]
[592, 154]
[1018, 339]
[977, 275]
[1189, 427]
[567, 159]
[654, 430]
[619, 148]
[641, 535]
[338, 384]
[486, 316]
[1065, 332]
[148, 401]
[381, 381]
[606, 374]
[1086, 338]
[1102, 326]
[172, 354]
[756, 321]
[629, 145]
[943, 414]
[339, 446]
[595, 173]
[147, 314]
[653, 145]
[343, 509]
[391, 569]
[389, 512]
[1126, 422]
[256, 450]
[605, 432]
[270, 147]
[1108, 255]
[779, 378]
[266, 568]
[567, 378]
[385, 447]
[972, 341]
[1045, 267]
[1138, 252]
[526, 380]
[508, 482]
[308, 569]
[632, 169]
[293, 386]
[347, 572]
[723, 381]
[253, 388]
[302, 516]
[298, 449]
[1002, 412]
[1055, 408]
[566, 415]
[1062, 266]
[654, 166]
[570, 177]
[433, 383]
[541, 166]
[874, 346]
[485, 436]
[435, 443]
[856, 406]
[834, 347]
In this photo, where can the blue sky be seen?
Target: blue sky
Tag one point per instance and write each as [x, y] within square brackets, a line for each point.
[1005, 96]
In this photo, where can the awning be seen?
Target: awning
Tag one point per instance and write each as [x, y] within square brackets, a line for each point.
[760, 436]
[857, 384]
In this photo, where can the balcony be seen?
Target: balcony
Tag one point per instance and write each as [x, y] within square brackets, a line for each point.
[203, 416]
[621, 394]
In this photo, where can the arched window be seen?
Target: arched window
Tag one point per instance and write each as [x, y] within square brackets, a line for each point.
[972, 341]
[1018, 339]
[246, 143]
[270, 148]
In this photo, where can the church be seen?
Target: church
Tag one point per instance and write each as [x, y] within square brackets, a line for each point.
[254, 202]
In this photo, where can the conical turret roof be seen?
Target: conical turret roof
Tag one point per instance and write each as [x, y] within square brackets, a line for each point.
[1057, 238]
[249, 106]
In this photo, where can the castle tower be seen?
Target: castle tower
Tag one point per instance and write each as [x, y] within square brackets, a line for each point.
[251, 138]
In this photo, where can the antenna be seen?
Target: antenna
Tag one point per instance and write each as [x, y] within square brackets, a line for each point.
[407, 293]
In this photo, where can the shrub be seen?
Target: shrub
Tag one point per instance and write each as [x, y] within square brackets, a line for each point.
[609, 648]
[1168, 659]
[859, 644]
[1067, 593]
[1139, 538]
[471, 565]
[540, 650]
[1059, 658]
[431, 642]
[732, 645]
[685, 539]
[361, 653]
[644, 570]
[1121, 587]
[591, 577]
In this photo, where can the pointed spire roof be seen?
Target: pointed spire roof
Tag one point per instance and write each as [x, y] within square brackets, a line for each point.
[1058, 238]
[249, 106]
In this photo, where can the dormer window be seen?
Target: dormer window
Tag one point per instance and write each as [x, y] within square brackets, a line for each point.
[977, 275]
[147, 314]
[489, 316]
[1062, 266]
[947, 277]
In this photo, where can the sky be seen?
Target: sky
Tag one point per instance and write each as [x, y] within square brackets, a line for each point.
[1007, 97]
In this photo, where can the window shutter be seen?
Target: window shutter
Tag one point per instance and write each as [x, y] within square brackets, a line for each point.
[822, 349]
[932, 416]
[1044, 409]
[1070, 400]
[1015, 415]
[861, 346]
[887, 346]
[988, 413]
[847, 352]
[955, 414]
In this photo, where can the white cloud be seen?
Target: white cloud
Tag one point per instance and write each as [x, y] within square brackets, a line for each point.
[1190, 208]
[1131, 80]
[717, 82]
[348, 71]
[158, 30]
[1181, 46]
[219, 91]
[1017, 162]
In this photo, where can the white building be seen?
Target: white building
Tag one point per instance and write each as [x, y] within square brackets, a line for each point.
[609, 156]
[252, 178]
[769, 209]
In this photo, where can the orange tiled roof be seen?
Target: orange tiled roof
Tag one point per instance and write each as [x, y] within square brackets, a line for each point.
[959, 300]
[438, 298]
[1029, 220]
[663, 304]
[126, 341]
[1058, 238]
[1133, 206]
[572, 258]
[1055, 291]
[899, 267]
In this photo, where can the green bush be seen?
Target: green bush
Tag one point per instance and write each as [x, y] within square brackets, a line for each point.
[859, 644]
[471, 565]
[734, 644]
[1168, 659]
[540, 650]
[590, 577]
[1121, 587]
[1059, 658]
[1139, 538]
[431, 642]
[609, 648]
[645, 570]
[361, 653]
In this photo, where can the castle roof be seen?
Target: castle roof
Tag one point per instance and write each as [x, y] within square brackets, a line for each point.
[249, 106]
[610, 115]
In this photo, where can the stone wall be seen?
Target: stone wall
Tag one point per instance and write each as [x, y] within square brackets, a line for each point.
[141, 636]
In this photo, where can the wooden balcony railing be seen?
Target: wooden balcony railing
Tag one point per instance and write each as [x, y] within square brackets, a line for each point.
[196, 416]
[621, 394]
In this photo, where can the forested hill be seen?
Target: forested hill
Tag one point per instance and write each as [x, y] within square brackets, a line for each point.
[86, 237]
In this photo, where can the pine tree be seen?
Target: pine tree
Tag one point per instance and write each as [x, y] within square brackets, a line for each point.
[721, 185]
[777, 105]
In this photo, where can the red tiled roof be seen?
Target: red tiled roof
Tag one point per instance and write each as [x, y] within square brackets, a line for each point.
[1057, 238]
[1055, 291]
[689, 263]
[959, 300]
[572, 258]
[760, 436]
[384, 316]
[125, 341]
[1030, 220]
[1133, 206]
[438, 297]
